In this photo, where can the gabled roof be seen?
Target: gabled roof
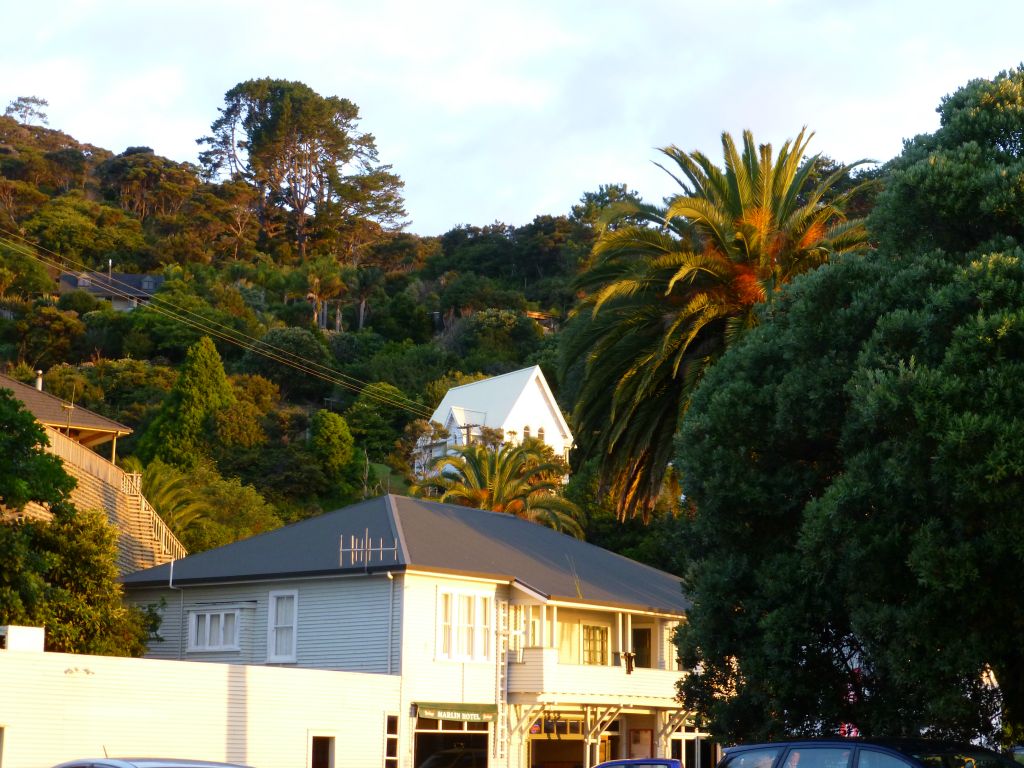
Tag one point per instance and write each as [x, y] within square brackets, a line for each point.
[492, 400]
[83, 425]
[432, 537]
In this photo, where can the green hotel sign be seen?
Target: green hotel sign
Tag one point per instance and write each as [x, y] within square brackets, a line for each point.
[473, 713]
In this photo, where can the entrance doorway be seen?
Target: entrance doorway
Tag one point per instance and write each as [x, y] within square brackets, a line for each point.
[450, 744]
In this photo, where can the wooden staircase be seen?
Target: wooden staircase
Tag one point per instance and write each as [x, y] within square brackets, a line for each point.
[144, 540]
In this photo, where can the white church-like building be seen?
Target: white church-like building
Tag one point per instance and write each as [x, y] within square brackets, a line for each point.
[519, 403]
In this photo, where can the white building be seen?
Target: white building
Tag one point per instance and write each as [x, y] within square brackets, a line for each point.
[519, 403]
[512, 644]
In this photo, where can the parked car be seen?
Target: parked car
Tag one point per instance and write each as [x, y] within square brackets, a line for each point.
[645, 762]
[144, 762]
[863, 753]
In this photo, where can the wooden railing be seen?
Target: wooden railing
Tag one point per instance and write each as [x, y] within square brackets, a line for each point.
[77, 454]
[130, 483]
[168, 541]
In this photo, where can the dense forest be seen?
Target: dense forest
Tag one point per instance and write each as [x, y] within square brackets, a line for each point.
[288, 251]
[795, 383]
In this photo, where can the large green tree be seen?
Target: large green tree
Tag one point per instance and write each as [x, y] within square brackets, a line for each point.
[672, 287]
[181, 432]
[304, 153]
[858, 474]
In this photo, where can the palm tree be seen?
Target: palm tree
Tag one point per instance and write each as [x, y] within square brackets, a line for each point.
[517, 479]
[670, 288]
[170, 493]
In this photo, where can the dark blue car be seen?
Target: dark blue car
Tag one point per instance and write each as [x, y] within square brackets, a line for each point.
[863, 753]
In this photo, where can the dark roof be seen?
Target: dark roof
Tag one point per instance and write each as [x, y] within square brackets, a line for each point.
[433, 537]
[121, 284]
[87, 427]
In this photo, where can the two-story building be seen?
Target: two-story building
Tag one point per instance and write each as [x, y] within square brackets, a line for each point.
[514, 645]
[519, 403]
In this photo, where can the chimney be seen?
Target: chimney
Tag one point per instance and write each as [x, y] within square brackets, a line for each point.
[39, 380]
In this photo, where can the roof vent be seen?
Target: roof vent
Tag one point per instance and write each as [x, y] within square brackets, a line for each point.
[39, 380]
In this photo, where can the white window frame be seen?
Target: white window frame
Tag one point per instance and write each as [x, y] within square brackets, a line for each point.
[226, 643]
[272, 626]
[461, 640]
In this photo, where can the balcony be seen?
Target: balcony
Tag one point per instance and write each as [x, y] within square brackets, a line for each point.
[538, 677]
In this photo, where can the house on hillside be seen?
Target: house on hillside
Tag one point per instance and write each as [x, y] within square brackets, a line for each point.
[144, 540]
[519, 403]
[516, 646]
[124, 290]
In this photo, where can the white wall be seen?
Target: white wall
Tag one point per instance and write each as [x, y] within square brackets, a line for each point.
[58, 707]
[430, 678]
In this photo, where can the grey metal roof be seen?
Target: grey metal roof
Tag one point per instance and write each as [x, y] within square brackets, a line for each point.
[406, 533]
[53, 411]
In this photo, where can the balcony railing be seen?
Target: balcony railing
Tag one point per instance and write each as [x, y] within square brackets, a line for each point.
[540, 674]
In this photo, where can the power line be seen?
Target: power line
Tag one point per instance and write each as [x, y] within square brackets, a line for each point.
[167, 308]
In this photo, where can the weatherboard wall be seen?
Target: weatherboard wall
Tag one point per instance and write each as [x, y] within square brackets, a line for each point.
[437, 678]
[61, 707]
[350, 623]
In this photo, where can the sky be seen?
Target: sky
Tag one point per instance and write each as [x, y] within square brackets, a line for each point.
[503, 111]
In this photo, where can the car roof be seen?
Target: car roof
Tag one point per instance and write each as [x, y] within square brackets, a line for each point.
[906, 746]
[146, 762]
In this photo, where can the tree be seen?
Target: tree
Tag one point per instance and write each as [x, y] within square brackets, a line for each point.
[517, 479]
[28, 473]
[292, 358]
[171, 494]
[304, 155]
[959, 188]
[331, 442]
[179, 435]
[377, 418]
[671, 289]
[62, 573]
[27, 109]
[237, 511]
[856, 469]
[48, 335]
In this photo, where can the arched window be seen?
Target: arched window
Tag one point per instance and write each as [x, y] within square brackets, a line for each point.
[540, 434]
[526, 433]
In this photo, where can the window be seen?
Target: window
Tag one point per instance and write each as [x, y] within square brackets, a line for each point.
[752, 758]
[870, 758]
[281, 626]
[817, 757]
[465, 626]
[391, 741]
[595, 644]
[213, 630]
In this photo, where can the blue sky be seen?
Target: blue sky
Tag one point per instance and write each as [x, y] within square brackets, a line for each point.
[503, 111]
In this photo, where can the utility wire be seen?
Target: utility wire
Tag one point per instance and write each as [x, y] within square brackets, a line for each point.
[167, 308]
